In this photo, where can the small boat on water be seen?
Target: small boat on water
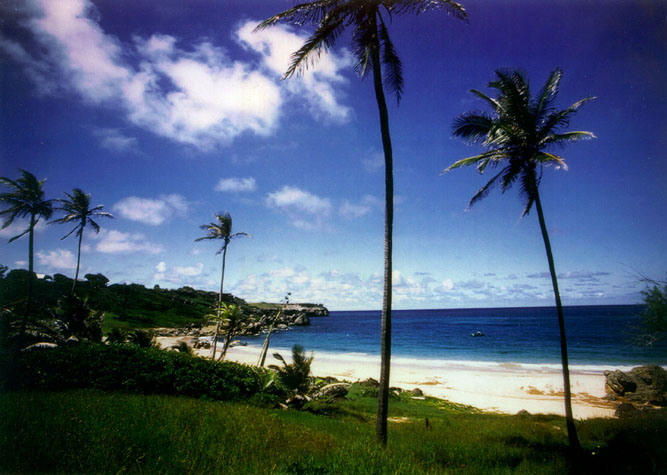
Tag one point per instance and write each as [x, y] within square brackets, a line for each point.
[477, 333]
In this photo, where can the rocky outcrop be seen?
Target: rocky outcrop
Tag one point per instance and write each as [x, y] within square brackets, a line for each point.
[307, 309]
[643, 385]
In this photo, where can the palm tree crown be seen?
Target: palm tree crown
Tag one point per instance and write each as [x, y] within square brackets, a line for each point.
[25, 200]
[221, 229]
[369, 31]
[77, 210]
[518, 133]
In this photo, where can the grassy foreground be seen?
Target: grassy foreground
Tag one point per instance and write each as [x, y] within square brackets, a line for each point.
[89, 431]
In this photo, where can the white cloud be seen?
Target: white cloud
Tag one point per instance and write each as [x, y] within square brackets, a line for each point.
[151, 211]
[115, 140]
[357, 210]
[180, 275]
[236, 185]
[305, 210]
[196, 96]
[373, 163]
[447, 285]
[112, 242]
[58, 259]
[316, 85]
[192, 94]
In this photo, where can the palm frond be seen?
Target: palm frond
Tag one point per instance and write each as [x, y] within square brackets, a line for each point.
[416, 7]
[473, 127]
[562, 139]
[20, 235]
[559, 119]
[470, 161]
[495, 105]
[393, 79]
[547, 158]
[309, 12]
[548, 93]
[483, 191]
[324, 37]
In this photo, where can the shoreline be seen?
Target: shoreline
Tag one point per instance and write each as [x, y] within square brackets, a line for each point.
[492, 387]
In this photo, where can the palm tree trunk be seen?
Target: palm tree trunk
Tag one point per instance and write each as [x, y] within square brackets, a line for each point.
[31, 262]
[222, 281]
[78, 262]
[385, 346]
[228, 341]
[575, 446]
[265, 347]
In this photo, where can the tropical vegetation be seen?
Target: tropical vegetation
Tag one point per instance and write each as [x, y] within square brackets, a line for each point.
[76, 208]
[25, 200]
[372, 49]
[220, 229]
[517, 136]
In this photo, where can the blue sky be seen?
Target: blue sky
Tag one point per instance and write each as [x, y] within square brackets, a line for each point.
[168, 111]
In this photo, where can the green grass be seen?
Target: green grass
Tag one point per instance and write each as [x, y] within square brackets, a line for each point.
[88, 431]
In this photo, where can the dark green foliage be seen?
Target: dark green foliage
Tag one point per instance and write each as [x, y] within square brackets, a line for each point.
[125, 305]
[142, 338]
[294, 377]
[80, 320]
[128, 368]
[654, 318]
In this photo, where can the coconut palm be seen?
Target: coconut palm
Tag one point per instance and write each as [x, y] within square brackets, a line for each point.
[77, 210]
[220, 229]
[372, 49]
[26, 199]
[517, 136]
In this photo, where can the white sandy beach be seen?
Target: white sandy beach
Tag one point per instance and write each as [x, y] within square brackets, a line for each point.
[505, 388]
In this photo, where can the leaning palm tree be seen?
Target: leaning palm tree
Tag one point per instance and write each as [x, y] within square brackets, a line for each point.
[517, 136]
[26, 199]
[373, 49]
[77, 209]
[221, 229]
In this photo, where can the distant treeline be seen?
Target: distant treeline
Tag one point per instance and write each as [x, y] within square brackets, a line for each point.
[125, 305]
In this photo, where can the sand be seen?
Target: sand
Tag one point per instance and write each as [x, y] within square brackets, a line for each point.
[494, 387]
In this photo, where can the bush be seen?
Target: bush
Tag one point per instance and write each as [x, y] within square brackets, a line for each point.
[127, 368]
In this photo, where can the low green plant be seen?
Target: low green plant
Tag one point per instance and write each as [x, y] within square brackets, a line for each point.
[295, 376]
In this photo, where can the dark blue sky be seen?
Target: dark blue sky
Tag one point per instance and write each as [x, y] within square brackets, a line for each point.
[169, 111]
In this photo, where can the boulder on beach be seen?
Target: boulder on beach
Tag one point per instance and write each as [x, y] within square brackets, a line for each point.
[644, 384]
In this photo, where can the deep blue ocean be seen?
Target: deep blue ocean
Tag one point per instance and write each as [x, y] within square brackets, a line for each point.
[598, 336]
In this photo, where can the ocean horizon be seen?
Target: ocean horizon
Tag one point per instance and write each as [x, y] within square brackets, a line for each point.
[523, 338]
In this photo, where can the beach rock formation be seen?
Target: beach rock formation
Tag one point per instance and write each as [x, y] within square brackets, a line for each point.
[331, 392]
[643, 385]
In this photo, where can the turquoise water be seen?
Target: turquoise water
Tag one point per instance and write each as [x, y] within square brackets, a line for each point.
[598, 336]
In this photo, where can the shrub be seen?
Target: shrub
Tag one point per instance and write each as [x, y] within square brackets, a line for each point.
[128, 368]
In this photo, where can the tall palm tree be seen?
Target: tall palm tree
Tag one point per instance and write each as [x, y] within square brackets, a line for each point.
[220, 229]
[77, 209]
[26, 199]
[373, 49]
[516, 136]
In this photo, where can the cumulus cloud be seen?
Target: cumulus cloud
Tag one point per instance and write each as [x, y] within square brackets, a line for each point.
[192, 94]
[58, 259]
[151, 211]
[305, 210]
[236, 185]
[114, 242]
[181, 275]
